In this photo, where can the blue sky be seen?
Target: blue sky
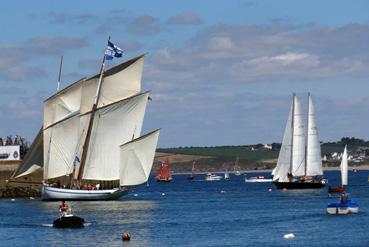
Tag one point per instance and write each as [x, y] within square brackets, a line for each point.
[220, 72]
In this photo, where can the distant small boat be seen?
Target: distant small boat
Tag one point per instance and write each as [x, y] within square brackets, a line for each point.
[212, 177]
[164, 173]
[192, 176]
[226, 175]
[344, 206]
[344, 171]
[354, 170]
[258, 179]
[237, 168]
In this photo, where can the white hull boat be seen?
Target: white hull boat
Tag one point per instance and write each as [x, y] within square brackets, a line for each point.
[57, 194]
[259, 179]
[212, 177]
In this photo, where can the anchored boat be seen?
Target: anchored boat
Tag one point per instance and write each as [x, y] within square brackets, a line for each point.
[164, 174]
[299, 163]
[344, 174]
[344, 206]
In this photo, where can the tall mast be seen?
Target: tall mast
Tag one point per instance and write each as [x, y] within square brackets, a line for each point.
[60, 70]
[307, 135]
[89, 130]
[292, 126]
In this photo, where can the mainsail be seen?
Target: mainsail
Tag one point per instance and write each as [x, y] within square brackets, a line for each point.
[298, 142]
[113, 126]
[313, 153]
[344, 167]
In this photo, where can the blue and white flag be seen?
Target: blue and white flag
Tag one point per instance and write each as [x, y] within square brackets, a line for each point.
[112, 51]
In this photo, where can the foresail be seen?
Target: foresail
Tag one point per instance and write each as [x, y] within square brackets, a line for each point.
[344, 167]
[113, 125]
[313, 155]
[284, 159]
[298, 143]
[136, 159]
[61, 142]
[120, 82]
[33, 158]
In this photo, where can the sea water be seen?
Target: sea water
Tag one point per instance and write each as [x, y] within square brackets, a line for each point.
[197, 213]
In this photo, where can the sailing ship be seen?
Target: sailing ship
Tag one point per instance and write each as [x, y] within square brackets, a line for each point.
[164, 173]
[344, 174]
[91, 141]
[192, 176]
[299, 164]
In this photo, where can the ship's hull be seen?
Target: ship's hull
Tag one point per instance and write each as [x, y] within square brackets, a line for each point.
[336, 190]
[298, 185]
[59, 194]
[69, 221]
[165, 180]
[351, 206]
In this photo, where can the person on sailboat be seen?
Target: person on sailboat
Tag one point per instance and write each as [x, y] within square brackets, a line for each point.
[63, 208]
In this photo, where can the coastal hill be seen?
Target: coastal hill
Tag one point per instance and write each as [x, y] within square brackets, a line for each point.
[254, 157]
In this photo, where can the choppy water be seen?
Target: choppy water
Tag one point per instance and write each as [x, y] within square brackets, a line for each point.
[196, 214]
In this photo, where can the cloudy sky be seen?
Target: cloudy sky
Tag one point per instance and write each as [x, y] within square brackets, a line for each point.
[220, 72]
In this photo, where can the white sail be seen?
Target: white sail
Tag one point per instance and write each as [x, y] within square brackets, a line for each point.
[298, 142]
[62, 104]
[344, 167]
[33, 159]
[284, 159]
[136, 159]
[60, 145]
[113, 125]
[313, 155]
[119, 82]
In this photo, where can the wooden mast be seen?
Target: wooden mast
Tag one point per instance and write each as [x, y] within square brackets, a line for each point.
[90, 125]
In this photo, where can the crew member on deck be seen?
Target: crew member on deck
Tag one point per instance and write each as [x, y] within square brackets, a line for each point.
[63, 208]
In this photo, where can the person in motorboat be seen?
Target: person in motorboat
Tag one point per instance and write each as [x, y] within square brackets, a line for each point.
[343, 198]
[63, 208]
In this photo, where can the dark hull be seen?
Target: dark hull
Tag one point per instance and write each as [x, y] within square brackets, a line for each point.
[69, 222]
[298, 185]
[163, 180]
[190, 178]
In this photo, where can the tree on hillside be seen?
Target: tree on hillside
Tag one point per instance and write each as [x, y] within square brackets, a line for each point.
[351, 141]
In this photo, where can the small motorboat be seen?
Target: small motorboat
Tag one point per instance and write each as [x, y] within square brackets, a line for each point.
[69, 221]
[258, 179]
[344, 206]
[212, 177]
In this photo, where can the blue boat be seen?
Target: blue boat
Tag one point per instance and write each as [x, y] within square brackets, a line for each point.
[344, 206]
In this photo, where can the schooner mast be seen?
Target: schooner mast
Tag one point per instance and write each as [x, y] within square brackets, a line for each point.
[91, 121]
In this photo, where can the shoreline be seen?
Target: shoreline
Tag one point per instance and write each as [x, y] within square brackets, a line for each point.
[337, 168]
